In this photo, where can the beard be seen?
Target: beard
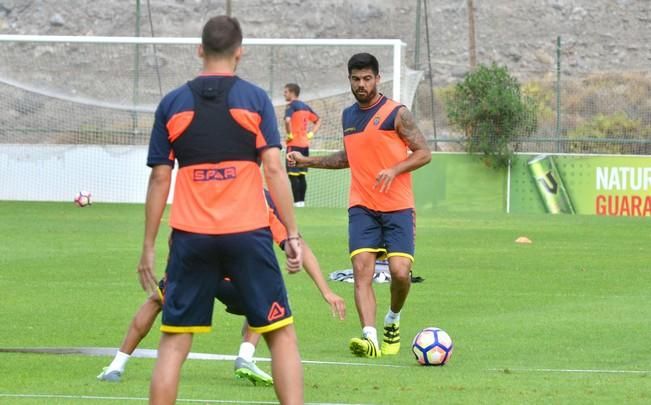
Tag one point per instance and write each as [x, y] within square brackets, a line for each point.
[365, 96]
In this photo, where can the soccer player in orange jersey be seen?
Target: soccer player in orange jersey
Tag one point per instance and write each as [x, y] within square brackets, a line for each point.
[219, 128]
[382, 145]
[298, 119]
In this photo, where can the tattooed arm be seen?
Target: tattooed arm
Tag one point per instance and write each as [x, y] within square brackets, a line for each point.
[412, 136]
[337, 160]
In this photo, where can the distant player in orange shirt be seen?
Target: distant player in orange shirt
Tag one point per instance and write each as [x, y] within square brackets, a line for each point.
[298, 119]
[378, 136]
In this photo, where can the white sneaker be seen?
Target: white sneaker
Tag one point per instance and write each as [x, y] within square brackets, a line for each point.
[110, 375]
[299, 204]
[248, 370]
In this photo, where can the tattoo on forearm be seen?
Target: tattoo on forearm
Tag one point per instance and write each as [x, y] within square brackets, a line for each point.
[409, 131]
[337, 160]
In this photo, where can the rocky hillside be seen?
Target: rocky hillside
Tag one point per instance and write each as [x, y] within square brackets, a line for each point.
[596, 34]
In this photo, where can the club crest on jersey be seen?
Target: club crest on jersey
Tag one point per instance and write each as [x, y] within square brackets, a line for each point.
[217, 174]
[376, 120]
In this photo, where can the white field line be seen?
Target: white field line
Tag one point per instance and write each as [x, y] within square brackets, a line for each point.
[568, 370]
[152, 353]
[512, 294]
[142, 399]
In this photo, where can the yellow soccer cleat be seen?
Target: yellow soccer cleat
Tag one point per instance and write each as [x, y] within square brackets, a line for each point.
[362, 347]
[391, 340]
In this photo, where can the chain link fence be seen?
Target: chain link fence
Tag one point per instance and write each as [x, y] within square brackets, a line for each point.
[591, 85]
[592, 89]
[601, 112]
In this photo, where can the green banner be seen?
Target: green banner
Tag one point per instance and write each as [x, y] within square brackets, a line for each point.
[568, 184]
[459, 182]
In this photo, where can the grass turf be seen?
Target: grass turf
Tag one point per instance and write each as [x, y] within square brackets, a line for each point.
[522, 317]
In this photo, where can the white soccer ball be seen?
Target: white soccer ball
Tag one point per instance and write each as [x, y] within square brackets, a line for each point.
[83, 199]
[432, 347]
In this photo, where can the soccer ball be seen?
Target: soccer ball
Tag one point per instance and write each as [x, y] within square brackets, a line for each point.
[432, 347]
[82, 199]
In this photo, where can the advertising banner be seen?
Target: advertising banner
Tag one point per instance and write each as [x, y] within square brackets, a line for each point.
[459, 182]
[581, 184]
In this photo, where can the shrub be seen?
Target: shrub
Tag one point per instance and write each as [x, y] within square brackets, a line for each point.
[490, 109]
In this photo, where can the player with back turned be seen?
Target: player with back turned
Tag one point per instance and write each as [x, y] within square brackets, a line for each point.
[382, 145]
[219, 128]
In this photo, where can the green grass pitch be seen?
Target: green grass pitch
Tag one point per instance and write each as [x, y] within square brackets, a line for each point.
[564, 320]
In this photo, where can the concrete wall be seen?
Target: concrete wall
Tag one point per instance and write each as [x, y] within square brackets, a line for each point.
[58, 172]
[451, 182]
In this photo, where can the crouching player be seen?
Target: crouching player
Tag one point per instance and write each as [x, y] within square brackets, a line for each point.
[245, 367]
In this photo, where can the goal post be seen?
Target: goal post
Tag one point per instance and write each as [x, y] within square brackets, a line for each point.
[81, 107]
[395, 44]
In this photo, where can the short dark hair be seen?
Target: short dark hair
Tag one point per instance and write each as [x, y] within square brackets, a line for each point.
[294, 88]
[363, 61]
[221, 36]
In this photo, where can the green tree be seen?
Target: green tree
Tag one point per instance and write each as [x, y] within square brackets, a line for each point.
[490, 109]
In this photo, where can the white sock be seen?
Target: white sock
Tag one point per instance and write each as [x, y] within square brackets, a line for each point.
[392, 317]
[247, 350]
[119, 361]
[370, 333]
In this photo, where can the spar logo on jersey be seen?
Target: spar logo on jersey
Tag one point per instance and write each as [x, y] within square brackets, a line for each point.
[225, 173]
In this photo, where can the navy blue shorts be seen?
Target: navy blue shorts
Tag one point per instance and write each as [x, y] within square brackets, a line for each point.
[297, 171]
[226, 294]
[199, 263]
[392, 233]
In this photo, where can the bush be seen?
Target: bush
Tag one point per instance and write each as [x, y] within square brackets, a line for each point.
[543, 95]
[490, 109]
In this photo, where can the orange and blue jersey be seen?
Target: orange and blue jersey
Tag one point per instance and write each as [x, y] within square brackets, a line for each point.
[215, 127]
[373, 144]
[300, 115]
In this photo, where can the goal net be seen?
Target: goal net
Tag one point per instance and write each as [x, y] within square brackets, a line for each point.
[78, 111]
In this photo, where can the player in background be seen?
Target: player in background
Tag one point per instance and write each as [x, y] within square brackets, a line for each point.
[220, 129]
[298, 119]
[382, 145]
[245, 367]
